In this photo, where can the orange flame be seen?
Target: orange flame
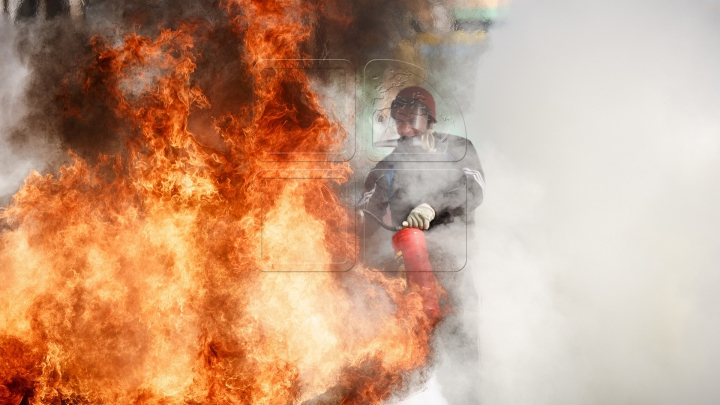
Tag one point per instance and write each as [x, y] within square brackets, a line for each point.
[136, 280]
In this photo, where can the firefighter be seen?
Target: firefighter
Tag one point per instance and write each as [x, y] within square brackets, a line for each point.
[422, 183]
[434, 182]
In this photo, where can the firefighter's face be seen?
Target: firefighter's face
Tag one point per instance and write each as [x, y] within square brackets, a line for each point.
[412, 117]
[409, 125]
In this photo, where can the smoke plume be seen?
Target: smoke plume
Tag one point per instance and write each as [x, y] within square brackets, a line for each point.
[598, 125]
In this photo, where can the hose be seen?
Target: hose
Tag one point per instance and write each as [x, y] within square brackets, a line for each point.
[380, 221]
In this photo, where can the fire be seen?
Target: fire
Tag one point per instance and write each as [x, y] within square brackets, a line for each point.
[138, 279]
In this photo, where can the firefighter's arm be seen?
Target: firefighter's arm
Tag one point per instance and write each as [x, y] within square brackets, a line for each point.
[475, 177]
[464, 189]
[373, 200]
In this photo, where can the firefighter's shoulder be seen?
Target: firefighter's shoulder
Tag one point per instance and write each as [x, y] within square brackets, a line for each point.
[455, 145]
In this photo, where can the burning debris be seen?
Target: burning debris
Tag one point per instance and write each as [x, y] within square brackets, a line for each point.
[132, 275]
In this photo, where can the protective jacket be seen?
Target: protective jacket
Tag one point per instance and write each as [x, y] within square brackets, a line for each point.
[448, 178]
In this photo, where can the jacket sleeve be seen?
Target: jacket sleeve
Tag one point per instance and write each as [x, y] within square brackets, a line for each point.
[374, 198]
[475, 177]
[464, 189]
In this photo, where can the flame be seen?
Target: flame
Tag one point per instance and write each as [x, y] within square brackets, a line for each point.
[137, 279]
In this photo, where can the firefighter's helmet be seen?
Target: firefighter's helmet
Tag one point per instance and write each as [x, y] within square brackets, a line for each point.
[417, 104]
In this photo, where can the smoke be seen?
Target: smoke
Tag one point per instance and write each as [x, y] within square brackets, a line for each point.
[14, 164]
[598, 127]
[68, 104]
[67, 108]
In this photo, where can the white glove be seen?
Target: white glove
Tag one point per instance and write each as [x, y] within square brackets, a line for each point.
[420, 217]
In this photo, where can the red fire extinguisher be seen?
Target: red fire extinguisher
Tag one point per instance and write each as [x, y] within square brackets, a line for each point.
[411, 251]
[412, 255]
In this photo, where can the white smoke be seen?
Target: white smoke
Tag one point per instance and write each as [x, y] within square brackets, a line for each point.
[598, 124]
[16, 160]
[12, 76]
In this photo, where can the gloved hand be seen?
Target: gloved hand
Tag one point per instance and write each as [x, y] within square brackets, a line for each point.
[420, 217]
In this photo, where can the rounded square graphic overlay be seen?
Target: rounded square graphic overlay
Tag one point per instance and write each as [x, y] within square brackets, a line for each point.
[394, 194]
[307, 221]
[383, 81]
[311, 103]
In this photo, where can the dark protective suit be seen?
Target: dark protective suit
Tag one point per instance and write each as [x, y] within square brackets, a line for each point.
[451, 181]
